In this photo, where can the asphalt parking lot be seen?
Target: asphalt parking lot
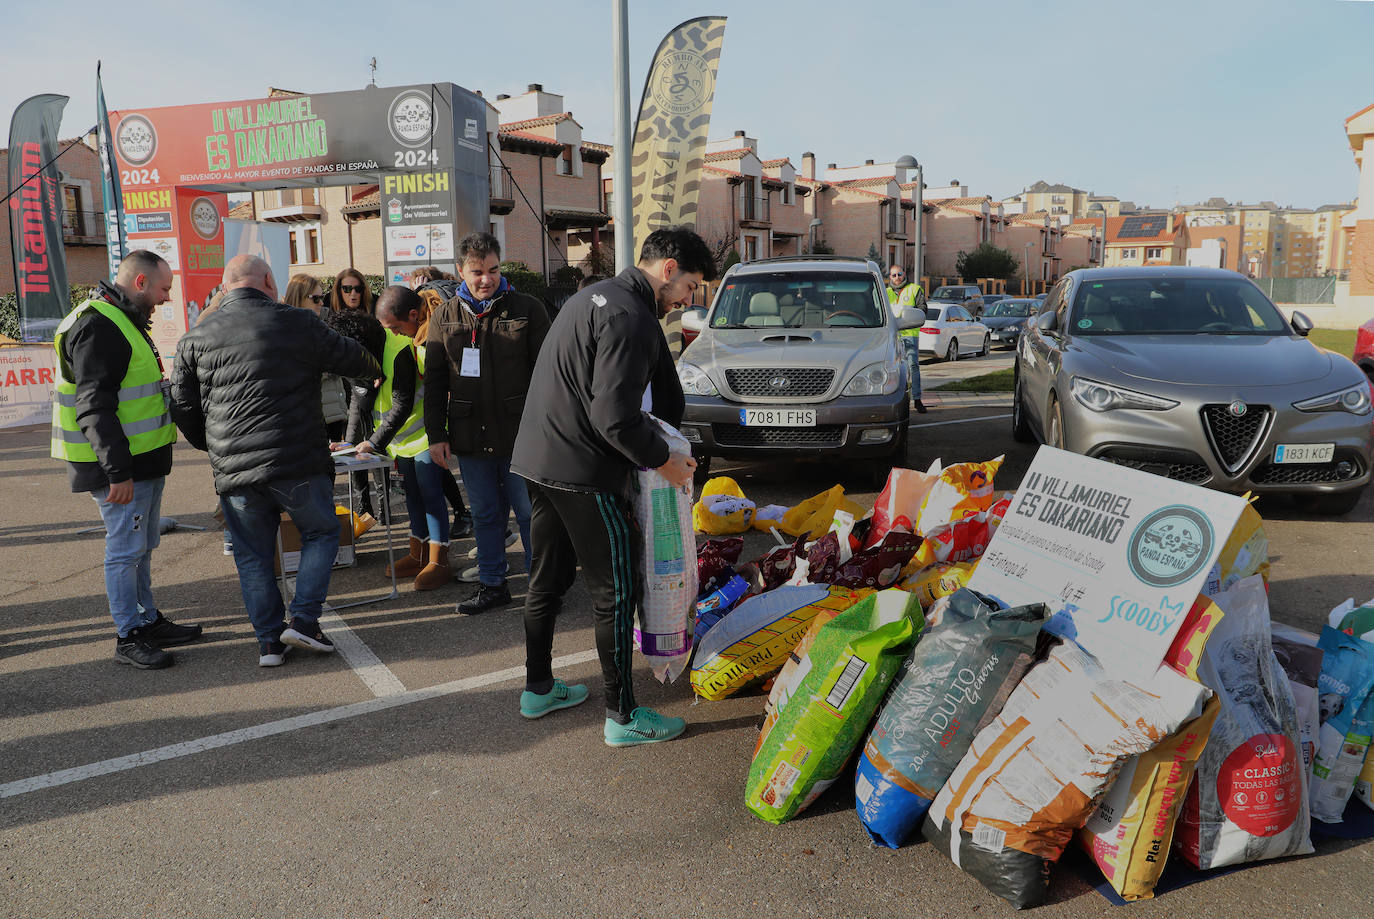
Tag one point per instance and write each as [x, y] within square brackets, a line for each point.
[396, 779]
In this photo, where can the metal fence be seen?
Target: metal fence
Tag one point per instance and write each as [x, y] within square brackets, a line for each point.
[1299, 290]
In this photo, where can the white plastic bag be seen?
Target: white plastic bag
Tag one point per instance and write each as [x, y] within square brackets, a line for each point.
[668, 551]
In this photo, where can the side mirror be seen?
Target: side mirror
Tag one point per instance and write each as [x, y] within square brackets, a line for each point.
[694, 319]
[1047, 321]
[911, 318]
[1301, 324]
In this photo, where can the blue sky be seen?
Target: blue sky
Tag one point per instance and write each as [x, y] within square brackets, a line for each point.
[1153, 102]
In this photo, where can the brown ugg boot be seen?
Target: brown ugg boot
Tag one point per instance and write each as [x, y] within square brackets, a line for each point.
[412, 564]
[437, 573]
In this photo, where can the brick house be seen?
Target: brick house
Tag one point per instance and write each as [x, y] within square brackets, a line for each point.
[83, 216]
[956, 225]
[1149, 239]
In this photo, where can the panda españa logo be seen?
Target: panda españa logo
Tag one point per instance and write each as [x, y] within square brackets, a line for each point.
[1170, 546]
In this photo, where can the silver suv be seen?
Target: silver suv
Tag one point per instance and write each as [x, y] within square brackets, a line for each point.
[969, 296]
[797, 357]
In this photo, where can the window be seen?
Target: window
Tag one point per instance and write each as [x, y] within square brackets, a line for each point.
[751, 248]
[787, 192]
[71, 210]
[1154, 252]
[1128, 253]
[1056, 199]
[810, 300]
[564, 162]
[305, 245]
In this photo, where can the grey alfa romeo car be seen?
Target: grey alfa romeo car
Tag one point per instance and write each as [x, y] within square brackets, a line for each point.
[798, 357]
[1194, 374]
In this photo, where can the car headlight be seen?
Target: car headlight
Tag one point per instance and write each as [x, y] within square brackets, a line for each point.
[694, 381]
[1354, 399]
[1099, 397]
[880, 379]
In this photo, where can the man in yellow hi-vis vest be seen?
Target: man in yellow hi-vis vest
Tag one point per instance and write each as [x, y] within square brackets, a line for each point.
[902, 296]
[111, 425]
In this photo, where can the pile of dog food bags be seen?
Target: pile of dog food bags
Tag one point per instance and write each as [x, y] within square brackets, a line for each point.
[999, 742]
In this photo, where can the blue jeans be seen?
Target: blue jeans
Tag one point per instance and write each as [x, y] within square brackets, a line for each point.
[131, 535]
[913, 366]
[253, 515]
[493, 492]
[425, 502]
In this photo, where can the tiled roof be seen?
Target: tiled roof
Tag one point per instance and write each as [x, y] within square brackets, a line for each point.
[781, 161]
[526, 137]
[1114, 225]
[816, 182]
[593, 145]
[540, 122]
[961, 210]
[864, 183]
[274, 92]
[723, 171]
[242, 211]
[364, 202]
[864, 191]
[721, 156]
[960, 202]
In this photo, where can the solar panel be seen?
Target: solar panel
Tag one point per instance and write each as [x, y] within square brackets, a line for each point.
[1143, 227]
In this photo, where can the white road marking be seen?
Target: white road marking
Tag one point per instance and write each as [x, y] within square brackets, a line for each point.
[375, 675]
[281, 726]
[936, 424]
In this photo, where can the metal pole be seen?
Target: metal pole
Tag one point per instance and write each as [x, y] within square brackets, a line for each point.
[920, 230]
[1027, 268]
[623, 139]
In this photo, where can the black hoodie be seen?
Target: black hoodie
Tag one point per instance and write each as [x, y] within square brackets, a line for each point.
[583, 427]
[95, 355]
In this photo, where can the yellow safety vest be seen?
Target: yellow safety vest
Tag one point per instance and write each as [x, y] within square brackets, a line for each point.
[142, 409]
[411, 439]
[906, 298]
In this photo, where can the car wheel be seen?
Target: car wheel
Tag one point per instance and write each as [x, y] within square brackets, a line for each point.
[1020, 428]
[983, 349]
[1334, 505]
[1055, 435]
[703, 470]
[952, 354]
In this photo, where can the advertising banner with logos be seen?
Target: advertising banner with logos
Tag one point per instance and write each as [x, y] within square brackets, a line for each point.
[27, 377]
[176, 164]
[35, 216]
[1119, 555]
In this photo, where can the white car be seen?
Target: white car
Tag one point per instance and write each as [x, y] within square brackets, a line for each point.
[951, 332]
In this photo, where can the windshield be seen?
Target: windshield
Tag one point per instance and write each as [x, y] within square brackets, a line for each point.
[1018, 308]
[948, 293]
[813, 300]
[1174, 306]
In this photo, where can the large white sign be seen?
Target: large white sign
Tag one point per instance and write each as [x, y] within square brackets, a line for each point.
[1118, 555]
[423, 243]
[27, 377]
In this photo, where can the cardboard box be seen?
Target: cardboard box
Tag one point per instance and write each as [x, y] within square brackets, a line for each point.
[290, 554]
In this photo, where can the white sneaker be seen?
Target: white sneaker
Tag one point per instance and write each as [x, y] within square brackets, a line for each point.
[512, 537]
[470, 575]
[272, 656]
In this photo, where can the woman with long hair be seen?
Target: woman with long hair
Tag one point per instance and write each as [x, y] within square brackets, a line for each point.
[350, 292]
[304, 291]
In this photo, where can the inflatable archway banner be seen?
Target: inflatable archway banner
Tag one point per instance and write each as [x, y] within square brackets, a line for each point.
[425, 145]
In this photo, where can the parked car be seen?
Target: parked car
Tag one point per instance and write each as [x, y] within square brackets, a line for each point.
[950, 332]
[1006, 318]
[1364, 349]
[969, 296]
[1194, 374]
[990, 299]
[798, 357]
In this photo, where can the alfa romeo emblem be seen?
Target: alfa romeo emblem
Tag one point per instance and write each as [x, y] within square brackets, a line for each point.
[1237, 408]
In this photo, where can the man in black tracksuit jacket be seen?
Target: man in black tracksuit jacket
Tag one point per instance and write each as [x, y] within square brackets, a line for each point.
[582, 436]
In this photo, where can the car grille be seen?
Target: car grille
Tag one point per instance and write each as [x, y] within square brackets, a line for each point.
[737, 435]
[798, 381]
[1194, 473]
[1234, 439]
[1307, 473]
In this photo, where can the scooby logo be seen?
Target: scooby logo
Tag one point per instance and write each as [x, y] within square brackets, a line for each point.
[137, 140]
[1170, 546]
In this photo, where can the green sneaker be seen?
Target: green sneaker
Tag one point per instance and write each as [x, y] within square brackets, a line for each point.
[645, 726]
[535, 705]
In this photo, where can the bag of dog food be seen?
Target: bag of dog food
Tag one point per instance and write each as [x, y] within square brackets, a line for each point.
[1130, 833]
[902, 496]
[669, 555]
[753, 641]
[963, 540]
[941, 580]
[953, 682]
[1246, 552]
[1033, 776]
[1249, 800]
[960, 490]
[1297, 653]
[1345, 696]
[723, 510]
[842, 680]
[812, 518]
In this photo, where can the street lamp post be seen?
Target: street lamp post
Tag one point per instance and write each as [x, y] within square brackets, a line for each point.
[908, 161]
[1097, 208]
[1026, 269]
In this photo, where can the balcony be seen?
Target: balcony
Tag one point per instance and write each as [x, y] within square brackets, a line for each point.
[502, 190]
[83, 228]
[896, 224]
[755, 209]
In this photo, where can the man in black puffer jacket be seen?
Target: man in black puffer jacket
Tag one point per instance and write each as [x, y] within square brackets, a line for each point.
[245, 387]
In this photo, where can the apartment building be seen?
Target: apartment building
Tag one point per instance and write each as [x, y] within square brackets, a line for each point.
[83, 215]
[1278, 241]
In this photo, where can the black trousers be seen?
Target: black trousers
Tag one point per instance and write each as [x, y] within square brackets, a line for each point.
[597, 531]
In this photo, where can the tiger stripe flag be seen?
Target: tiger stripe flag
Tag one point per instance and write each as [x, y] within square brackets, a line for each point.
[670, 135]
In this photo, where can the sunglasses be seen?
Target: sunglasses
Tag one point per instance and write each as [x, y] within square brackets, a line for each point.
[351, 288]
[896, 274]
[317, 299]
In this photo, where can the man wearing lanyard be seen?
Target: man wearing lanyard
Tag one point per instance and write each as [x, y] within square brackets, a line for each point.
[479, 355]
[111, 425]
[902, 296]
